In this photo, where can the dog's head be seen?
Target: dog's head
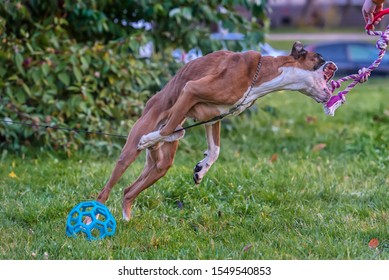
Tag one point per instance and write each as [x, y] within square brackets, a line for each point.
[314, 73]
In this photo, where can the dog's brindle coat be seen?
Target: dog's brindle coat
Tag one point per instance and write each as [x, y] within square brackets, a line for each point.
[205, 88]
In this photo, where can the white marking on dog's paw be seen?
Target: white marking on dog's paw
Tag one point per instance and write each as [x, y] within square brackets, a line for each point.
[149, 140]
[125, 217]
[204, 165]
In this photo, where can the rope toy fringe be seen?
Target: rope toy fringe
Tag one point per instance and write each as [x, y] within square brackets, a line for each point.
[363, 74]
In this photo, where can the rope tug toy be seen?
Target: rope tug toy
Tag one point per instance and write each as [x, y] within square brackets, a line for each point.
[364, 73]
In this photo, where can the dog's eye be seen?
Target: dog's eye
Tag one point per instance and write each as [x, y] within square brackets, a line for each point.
[318, 65]
[319, 61]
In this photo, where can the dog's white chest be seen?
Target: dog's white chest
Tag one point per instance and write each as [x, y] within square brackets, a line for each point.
[289, 79]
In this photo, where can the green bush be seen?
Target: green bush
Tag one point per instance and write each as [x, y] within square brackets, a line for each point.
[98, 87]
[69, 63]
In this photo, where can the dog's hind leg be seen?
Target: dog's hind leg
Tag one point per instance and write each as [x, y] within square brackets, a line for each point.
[212, 153]
[127, 156]
[176, 117]
[159, 159]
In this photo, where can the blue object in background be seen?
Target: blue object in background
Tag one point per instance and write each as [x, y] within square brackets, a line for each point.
[101, 221]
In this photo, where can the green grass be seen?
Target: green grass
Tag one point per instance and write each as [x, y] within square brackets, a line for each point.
[308, 203]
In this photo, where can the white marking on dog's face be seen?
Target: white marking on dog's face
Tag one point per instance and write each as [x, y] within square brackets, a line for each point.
[317, 82]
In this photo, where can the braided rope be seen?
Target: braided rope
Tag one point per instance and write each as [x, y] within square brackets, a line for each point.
[362, 76]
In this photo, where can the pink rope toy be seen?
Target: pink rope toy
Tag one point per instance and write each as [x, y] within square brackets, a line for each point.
[364, 73]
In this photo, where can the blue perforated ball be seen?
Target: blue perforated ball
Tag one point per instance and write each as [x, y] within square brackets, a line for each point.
[100, 224]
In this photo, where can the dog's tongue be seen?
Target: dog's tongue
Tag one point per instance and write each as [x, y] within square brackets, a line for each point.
[329, 70]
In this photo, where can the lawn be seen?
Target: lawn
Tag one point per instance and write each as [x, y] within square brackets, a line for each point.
[290, 183]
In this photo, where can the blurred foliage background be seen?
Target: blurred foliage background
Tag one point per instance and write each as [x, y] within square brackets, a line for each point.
[77, 63]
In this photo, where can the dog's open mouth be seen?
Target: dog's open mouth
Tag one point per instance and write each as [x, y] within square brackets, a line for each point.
[326, 72]
[329, 70]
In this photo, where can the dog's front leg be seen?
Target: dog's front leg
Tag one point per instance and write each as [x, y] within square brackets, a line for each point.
[212, 153]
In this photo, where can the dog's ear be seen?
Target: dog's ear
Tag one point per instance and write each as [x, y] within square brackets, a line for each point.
[298, 50]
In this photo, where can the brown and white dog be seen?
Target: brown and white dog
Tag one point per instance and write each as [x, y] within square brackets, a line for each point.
[204, 88]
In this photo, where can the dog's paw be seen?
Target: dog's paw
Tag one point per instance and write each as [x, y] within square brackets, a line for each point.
[196, 176]
[126, 216]
[142, 145]
[148, 140]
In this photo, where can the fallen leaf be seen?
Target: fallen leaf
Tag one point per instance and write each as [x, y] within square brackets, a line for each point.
[311, 119]
[373, 244]
[273, 158]
[318, 147]
[247, 247]
[12, 175]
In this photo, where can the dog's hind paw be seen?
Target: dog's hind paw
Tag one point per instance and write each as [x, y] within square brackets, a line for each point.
[153, 138]
[142, 145]
[149, 140]
[126, 216]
